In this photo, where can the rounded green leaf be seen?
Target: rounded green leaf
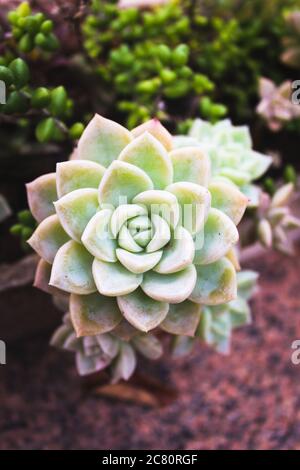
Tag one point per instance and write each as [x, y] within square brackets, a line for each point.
[162, 203]
[76, 209]
[171, 288]
[102, 141]
[182, 319]
[97, 237]
[138, 263]
[72, 269]
[141, 311]
[161, 234]
[228, 199]
[93, 314]
[220, 234]
[194, 201]
[122, 214]
[48, 237]
[143, 238]
[41, 194]
[178, 254]
[77, 174]
[191, 164]
[121, 183]
[216, 283]
[127, 241]
[112, 279]
[149, 154]
[157, 130]
[141, 222]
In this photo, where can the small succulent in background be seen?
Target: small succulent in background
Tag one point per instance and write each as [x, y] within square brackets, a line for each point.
[114, 352]
[138, 233]
[275, 220]
[230, 151]
[218, 322]
[276, 106]
[233, 160]
[291, 42]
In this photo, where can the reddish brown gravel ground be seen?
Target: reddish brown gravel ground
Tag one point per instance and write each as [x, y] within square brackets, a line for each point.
[249, 400]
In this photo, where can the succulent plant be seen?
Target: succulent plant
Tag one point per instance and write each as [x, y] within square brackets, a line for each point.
[276, 106]
[137, 232]
[230, 150]
[274, 220]
[115, 352]
[233, 160]
[217, 322]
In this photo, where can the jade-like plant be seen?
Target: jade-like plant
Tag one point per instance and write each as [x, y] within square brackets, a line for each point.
[137, 232]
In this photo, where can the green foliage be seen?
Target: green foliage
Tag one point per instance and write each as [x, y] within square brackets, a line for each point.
[157, 57]
[47, 109]
[24, 227]
[51, 106]
[146, 55]
[32, 31]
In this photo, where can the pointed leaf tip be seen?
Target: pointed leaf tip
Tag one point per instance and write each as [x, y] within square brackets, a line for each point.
[155, 128]
[102, 141]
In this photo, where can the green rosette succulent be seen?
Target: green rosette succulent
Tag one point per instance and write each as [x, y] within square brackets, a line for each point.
[138, 233]
[231, 154]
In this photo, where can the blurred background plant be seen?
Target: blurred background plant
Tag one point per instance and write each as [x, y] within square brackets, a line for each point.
[33, 106]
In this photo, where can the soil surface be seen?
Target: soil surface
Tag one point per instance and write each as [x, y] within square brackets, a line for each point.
[249, 400]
